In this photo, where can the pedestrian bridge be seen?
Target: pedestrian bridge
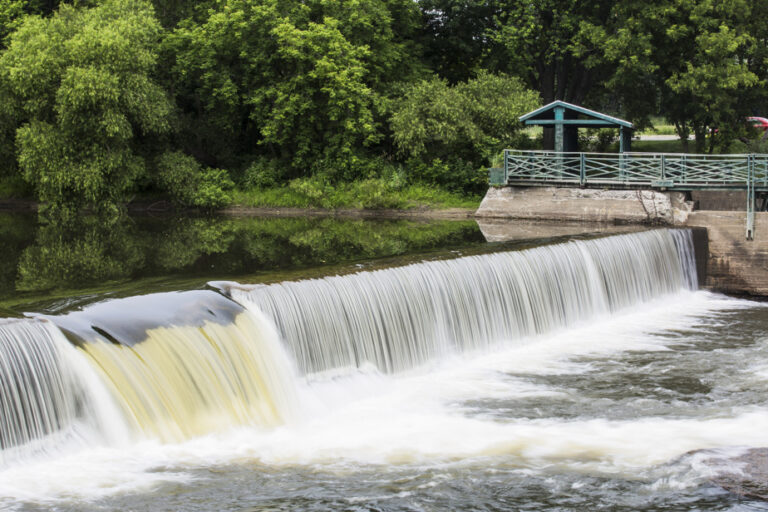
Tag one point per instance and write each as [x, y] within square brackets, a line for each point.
[662, 171]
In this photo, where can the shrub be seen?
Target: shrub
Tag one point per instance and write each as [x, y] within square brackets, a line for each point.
[189, 184]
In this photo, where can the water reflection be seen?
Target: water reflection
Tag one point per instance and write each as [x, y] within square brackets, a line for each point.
[44, 258]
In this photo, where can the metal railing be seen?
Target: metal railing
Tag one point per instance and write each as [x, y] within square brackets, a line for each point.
[667, 171]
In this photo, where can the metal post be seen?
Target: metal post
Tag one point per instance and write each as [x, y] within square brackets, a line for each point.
[506, 166]
[750, 197]
[663, 168]
[559, 140]
[582, 169]
[621, 139]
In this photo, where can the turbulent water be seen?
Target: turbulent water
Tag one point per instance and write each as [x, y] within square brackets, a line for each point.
[578, 376]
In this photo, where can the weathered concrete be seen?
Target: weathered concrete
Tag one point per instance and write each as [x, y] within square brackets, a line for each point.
[735, 265]
[720, 200]
[586, 205]
[506, 230]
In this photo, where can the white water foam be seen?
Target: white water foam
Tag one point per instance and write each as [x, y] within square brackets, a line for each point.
[417, 418]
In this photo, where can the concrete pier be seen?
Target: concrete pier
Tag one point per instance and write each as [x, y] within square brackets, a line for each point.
[734, 265]
[585, 205]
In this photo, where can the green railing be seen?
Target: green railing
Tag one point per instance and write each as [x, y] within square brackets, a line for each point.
[667, 171]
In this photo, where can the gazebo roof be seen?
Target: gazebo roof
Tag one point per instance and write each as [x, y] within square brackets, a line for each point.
[574, 115]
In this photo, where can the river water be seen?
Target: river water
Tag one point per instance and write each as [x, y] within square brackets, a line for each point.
[630, 395]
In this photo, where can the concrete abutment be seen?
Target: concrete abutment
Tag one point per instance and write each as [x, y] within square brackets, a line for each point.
[727, 262]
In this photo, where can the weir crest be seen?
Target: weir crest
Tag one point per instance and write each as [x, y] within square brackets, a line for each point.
[201, 363]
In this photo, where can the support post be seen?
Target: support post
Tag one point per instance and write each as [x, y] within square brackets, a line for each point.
[559, 140]
[582, 169]
[750, 197]
[506, 166]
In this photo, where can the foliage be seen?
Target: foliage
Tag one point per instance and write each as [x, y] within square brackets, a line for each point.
[329, 103]
[447, 133]
[540, 38]
[597, 140]
[10, 16]
[82, 93]
[370, 194]
[189, 184]
[298, 82]
[456, 37]
[695, 56]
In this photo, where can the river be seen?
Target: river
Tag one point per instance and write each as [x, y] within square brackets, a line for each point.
[372, 366]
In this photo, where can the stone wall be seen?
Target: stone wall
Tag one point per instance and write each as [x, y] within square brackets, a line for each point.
[735, 265]
[590, 205]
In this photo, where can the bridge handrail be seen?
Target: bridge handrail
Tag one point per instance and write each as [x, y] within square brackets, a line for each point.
[680, 171]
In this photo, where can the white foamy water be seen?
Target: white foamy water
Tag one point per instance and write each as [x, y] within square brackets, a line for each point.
[592, 359]
[420, 418]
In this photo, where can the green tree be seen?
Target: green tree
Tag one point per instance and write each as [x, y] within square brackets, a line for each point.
[298, 82]
[10, 16]
[461, 127]
[457, 37]
[80, 88]
[540, 39]
[697, 56]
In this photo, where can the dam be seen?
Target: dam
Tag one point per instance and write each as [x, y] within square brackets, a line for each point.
[588, 370]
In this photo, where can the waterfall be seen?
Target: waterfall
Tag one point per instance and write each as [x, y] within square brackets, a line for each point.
[46, 387]
[171, 366]
[187, 363]
[401, 317]
[184, 381]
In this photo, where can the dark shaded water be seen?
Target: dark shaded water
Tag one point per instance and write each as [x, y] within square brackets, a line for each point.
[49, 268]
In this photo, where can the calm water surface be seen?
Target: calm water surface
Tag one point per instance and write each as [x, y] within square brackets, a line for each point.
[634, 410]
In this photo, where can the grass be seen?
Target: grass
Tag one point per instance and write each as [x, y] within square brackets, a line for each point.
[660, 146]
[659, 126]
[371, 194]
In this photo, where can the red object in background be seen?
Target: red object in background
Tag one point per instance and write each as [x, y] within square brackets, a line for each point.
[758, 122]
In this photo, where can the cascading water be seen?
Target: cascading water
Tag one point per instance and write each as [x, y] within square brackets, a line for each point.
[186, 364]
[178, 365]
[46, 387]
[401, 317]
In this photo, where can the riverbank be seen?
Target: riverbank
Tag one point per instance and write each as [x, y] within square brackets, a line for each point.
[162, 207]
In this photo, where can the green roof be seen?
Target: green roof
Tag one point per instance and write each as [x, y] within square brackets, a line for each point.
[546, 115]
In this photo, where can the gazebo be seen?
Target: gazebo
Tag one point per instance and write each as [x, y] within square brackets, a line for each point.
[567, 118]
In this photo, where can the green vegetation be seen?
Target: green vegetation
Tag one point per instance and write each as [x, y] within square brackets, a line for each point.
[362, 103]
[370, 194]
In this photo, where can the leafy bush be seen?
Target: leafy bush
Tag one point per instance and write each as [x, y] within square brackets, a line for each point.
[189, 184]
[262, 173]
[447, 133]
[454, 175]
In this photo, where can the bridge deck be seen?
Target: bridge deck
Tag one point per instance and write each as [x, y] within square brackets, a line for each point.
[665, 171]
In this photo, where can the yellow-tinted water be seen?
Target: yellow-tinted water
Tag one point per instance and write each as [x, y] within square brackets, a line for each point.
[186, 381]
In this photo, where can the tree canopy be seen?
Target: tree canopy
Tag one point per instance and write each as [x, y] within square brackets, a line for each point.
[80, 86]
[103, 98]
